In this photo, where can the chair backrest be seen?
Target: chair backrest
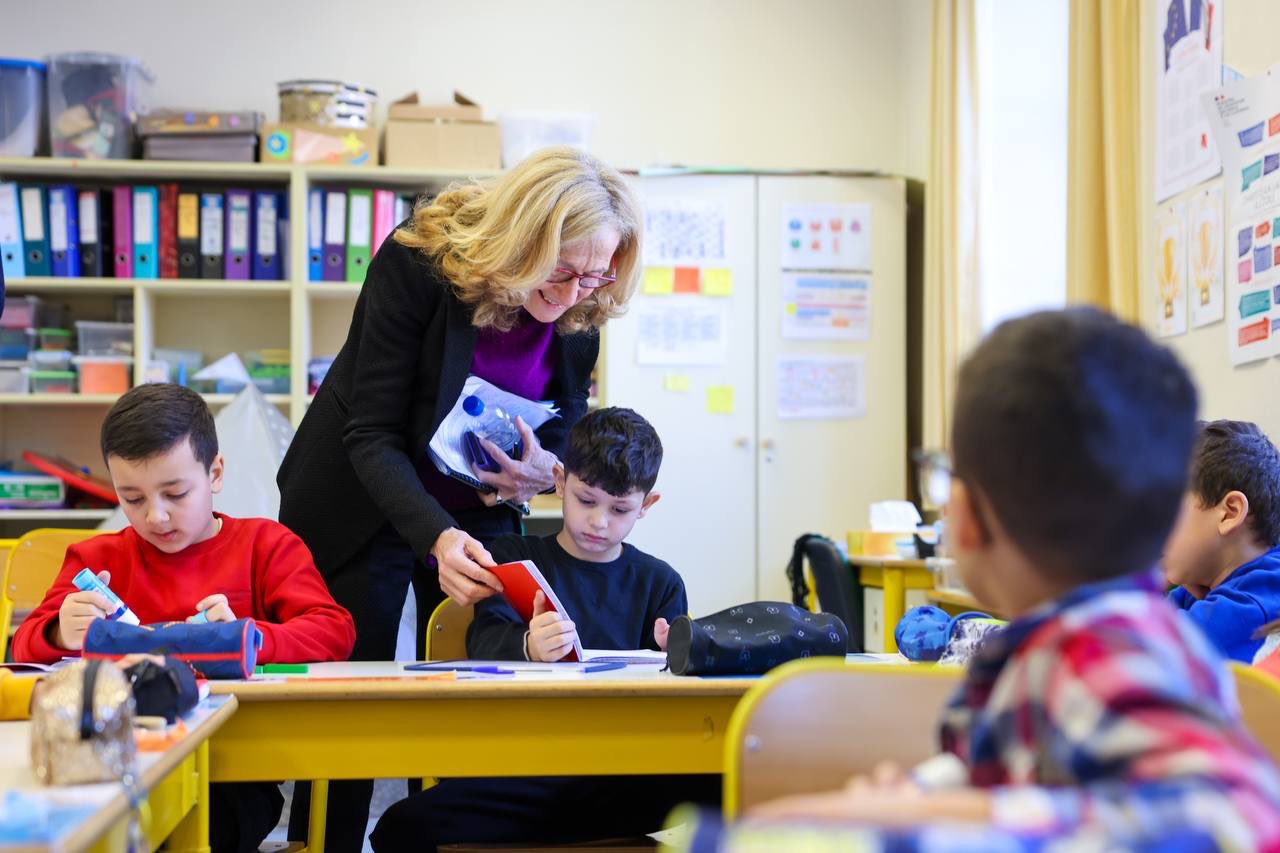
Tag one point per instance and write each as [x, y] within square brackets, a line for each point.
[30, 569]
[811, 724]
[447, 631]
[833, 581]
[1259, 694]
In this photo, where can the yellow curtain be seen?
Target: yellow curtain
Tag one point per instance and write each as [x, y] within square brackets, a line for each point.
[951, 315]
[1104, 116]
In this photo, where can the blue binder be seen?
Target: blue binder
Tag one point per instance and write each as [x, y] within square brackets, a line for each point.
[315, 235]
[64, 231]
[266, 248]
[12, 260]
[146, 232]
[35, 230]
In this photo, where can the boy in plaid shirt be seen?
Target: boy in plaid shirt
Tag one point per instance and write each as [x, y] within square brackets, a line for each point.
[1100, 713]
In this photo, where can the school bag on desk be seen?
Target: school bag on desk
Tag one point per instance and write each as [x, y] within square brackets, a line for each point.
[753, 638]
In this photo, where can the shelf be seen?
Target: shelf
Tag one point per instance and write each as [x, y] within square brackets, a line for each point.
[166, 286]
[544, 507]
[211, 170]
[108, 399]
[55, 514]
[334, 289]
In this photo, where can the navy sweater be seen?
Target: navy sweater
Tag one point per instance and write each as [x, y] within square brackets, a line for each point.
[613, 605]
[1234, 609]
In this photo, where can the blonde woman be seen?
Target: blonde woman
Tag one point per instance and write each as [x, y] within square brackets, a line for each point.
[509, 281]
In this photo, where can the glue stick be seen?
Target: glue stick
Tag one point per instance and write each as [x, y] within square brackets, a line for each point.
[87, 581]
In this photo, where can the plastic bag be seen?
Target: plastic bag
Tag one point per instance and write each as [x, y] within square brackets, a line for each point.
[253, 437]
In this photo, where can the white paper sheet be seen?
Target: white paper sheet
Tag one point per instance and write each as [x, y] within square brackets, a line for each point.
[1171, 270]
[1205, 230]
[821, 387]
[826, 237]
[446, 445]
[682, 330]
[689, 233]
[821, 306]
[1188, 63]
[1245, 117]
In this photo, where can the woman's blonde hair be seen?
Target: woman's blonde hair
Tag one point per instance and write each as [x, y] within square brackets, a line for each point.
[499, 240]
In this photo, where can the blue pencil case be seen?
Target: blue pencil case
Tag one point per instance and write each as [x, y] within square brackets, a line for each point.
[214, 649]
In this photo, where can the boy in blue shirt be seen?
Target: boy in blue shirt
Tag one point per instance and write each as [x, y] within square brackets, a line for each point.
[623, 599]
[1223, 552]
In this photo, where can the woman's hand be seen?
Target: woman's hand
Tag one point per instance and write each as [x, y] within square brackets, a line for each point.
[463, 564]
[519, 479]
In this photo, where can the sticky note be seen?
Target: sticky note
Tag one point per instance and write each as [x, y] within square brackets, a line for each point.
[677, 382]
[686, 280]
[659, 281]
[717, 282]
[720, 399]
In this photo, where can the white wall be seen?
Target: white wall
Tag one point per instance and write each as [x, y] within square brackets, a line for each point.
[1247, 392]
[753, 83]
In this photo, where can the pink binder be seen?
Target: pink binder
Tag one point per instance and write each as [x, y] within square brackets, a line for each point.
[384, 216]
[122, 230]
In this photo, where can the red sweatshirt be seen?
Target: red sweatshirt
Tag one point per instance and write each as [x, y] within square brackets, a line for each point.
[260, 565]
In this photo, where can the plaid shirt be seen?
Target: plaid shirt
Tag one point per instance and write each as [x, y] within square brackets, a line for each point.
[1104, 719]
[1108, 710]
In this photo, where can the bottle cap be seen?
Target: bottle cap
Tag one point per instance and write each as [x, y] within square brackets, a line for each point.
[472, 405]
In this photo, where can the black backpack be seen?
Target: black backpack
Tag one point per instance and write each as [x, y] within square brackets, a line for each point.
[752, 638]
[839, 591]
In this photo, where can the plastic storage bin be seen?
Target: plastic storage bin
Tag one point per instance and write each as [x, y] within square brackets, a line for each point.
[53, 339]
[13, 378]
[103, 374]
[53, 382]
[51, 359]
[22, 121]
[104, 338]
[183, 363]
[21, 312]
[94, 99]
[15, 344]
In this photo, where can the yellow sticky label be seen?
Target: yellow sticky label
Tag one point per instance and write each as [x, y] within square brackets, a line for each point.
[720, 399]
[659, 281]
[717, 282]
[677, 382]
[791, 308]
[188, 216]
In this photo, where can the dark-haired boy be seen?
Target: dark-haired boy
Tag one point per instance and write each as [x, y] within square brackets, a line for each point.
[1099, 718]
[1225, 549]
[178, 558]
[615, 597]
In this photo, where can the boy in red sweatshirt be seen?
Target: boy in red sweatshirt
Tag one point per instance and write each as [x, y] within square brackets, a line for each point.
[178, 558]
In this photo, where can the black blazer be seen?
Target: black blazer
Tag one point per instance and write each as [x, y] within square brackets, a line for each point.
[351, 466]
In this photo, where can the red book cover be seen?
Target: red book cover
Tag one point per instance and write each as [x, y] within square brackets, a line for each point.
[520, 583]
[168, 250]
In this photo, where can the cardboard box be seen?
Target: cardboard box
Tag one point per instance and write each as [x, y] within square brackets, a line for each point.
[451, 136]
[313, 143]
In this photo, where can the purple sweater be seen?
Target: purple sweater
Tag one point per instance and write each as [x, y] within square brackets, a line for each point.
[520, 361]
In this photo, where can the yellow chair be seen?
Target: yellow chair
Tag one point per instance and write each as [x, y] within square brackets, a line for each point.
[811, 724]
[1259, 695]
[30, 570]
[447, 631]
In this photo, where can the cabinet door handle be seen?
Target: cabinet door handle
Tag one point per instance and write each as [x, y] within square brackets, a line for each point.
[742, 443]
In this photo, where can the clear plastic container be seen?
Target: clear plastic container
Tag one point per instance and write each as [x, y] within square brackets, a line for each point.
[15, 344]
[21, 312]
[22, 122]
[53, 382]
[104, 338]
[183, 363]
[94, 100]
[13, 378]
[51, 359]
[103, 374]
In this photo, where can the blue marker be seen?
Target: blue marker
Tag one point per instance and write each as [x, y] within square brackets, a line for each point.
[200, 618]
[86, 581]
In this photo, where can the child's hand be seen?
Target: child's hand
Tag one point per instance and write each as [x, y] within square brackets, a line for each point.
[661, 629]
[215, 608]
[77, 611]
[550, 634]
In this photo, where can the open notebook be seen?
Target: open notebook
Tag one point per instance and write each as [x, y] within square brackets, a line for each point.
[521, 581]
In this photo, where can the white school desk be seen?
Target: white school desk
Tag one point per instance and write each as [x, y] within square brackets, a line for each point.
[174, 784]
[363, 720]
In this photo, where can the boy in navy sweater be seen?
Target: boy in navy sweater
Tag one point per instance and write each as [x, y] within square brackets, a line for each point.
[1223, 552]
[621, 598]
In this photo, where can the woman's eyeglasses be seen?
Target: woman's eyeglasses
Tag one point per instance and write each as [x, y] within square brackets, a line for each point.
[560, 275]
